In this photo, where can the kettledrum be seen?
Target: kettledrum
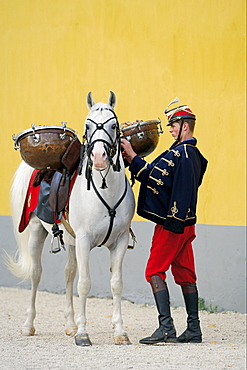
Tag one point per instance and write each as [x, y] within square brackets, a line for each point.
[42, 147]
[143, 135]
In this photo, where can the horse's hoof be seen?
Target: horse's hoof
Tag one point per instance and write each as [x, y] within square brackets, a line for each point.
[82, 340]
[122, 339]
[27, 332]
[71, 331]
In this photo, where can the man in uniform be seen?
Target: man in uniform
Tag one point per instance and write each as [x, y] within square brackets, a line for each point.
[168, 197]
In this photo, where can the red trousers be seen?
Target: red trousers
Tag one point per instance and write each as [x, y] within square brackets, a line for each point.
[175, 250]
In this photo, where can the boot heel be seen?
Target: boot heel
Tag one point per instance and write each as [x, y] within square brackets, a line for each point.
[195, 340]
[187, 337]
[171, 340]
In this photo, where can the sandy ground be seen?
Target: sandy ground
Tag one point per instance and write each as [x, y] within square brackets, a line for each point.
[223, 347]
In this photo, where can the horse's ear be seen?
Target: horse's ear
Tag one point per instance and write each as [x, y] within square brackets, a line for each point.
[90, 101]
[112, 100]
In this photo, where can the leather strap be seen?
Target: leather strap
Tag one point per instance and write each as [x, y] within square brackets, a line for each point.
[157, 284]
[111, 211]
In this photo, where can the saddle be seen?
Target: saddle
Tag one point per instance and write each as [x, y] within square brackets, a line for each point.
[55, 190]
[60, 183]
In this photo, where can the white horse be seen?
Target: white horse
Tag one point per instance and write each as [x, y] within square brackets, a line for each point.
[100, 211]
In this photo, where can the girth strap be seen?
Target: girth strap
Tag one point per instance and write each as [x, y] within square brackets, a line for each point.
[111, 211]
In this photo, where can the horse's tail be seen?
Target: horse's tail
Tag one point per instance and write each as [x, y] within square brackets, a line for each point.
[20, 265]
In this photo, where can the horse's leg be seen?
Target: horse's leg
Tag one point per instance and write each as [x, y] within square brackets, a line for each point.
[36, 241]
[117, 255]
[83, 287]
[70, 273]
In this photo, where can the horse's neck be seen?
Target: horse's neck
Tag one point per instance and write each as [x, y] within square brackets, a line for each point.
[113, 179]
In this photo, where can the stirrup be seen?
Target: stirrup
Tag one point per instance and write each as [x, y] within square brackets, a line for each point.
[133, 237]
[59, 235]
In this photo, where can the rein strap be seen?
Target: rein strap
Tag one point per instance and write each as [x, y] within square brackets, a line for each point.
[111, 211]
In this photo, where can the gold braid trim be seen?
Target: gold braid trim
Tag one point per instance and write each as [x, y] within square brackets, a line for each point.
[155, 214]
[164, 172]
[158, 181]
[155, 191]
[176, 153]
[176, 218]
[170, 162]
[142, 169]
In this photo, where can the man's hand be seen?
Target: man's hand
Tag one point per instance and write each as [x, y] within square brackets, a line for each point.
[127, 151]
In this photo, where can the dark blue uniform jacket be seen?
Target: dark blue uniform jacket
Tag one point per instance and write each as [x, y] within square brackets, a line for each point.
[169, 185]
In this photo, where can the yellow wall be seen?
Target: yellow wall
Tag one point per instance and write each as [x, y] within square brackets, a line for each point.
[147, 52]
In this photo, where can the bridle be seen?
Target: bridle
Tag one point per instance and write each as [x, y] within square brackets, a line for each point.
[112, 148]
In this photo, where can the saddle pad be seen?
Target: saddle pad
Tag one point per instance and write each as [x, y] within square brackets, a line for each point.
[32, 198]
[30, 203]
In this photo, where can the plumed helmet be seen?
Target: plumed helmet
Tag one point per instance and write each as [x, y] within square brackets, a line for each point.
[181, 112]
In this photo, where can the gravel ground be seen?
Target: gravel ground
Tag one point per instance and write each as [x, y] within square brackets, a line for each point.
[223, 346]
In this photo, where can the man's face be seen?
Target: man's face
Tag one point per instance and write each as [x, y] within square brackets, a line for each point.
[174, 129]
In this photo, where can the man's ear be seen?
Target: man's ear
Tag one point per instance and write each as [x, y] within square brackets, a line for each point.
[185, 126]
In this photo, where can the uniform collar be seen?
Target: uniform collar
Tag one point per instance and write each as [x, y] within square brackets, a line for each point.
[191, 141]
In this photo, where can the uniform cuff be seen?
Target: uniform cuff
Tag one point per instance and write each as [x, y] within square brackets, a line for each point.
[174, 225]
[136, 165]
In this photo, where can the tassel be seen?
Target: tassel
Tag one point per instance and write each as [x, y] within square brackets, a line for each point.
[104, 186]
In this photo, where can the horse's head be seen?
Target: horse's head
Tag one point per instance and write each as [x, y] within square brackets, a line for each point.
[102, 133]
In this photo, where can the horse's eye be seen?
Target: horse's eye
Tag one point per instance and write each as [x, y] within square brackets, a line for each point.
[114, 125]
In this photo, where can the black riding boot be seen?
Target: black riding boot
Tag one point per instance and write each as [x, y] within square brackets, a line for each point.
[166, 331]
[193, 332]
